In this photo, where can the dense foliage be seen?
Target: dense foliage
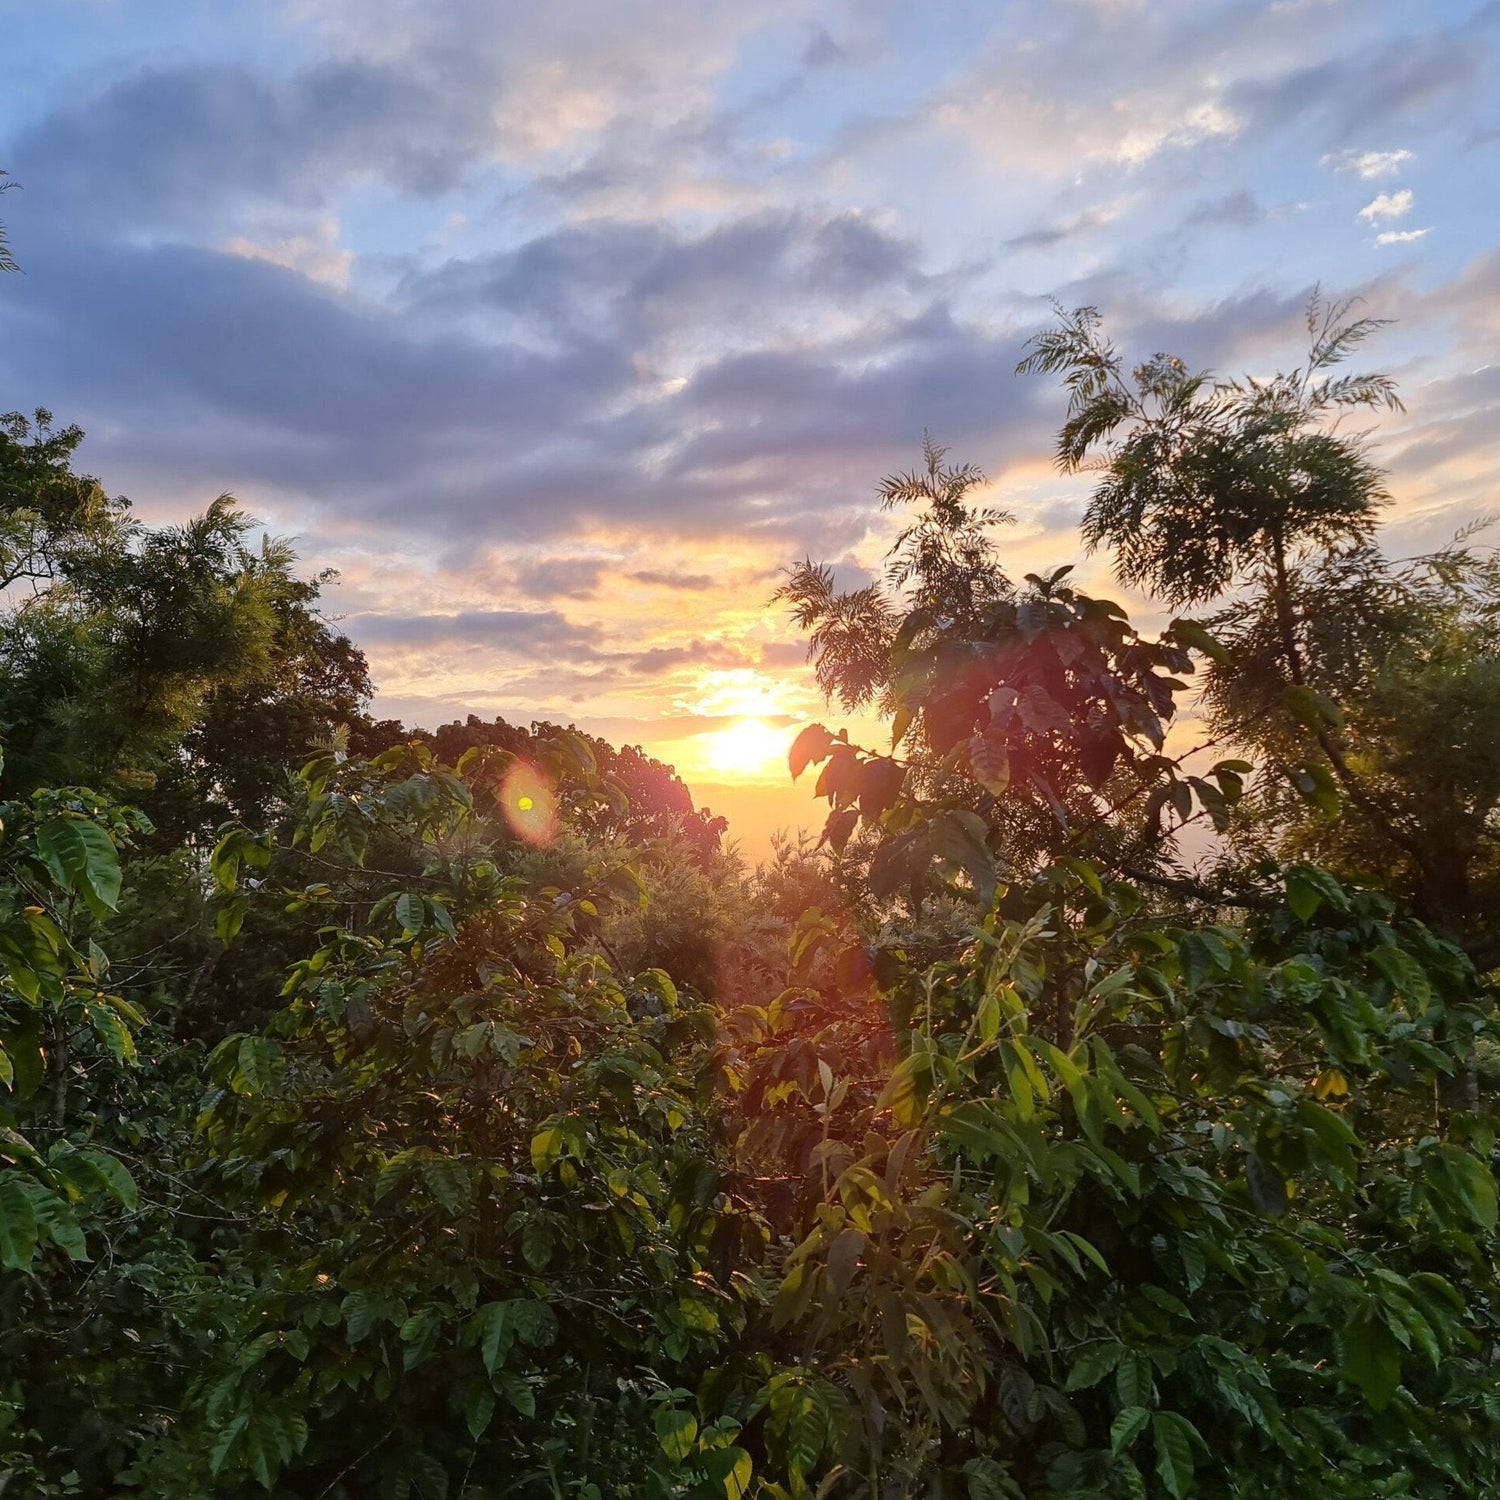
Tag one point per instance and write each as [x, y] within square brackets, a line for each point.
[449, 1115]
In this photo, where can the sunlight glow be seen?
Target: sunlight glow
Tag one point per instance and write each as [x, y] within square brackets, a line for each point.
[747, 750]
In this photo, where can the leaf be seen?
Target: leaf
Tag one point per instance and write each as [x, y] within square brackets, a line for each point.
[676, 1432]
[119, 1181]
[255, 1066]
[989, 1480]
[519, 1393]
[80, 856]
[1093, 1365]
[1205, 956]
[1267, 1186]
[112, 1031]
[1472, 1183]
[1193, 635]
[1302, 895]
[731, 1467]
[546, 1148]
[479, 1409]
[1175, 1438]
[225, 1443]
[490, 1328]
[813, 744]
[1372, 1356]
[17, 1226]
[230, 918]
[1406, 975]
[843, 1261]
[989, 761]
[1126, 1427]
[1315, 785]
[448, 1182]
[1133, 1380]
[411, 913]
[361, 1313]
[1311, 709]
[880, 782]
[839, 827]
[55, 1217]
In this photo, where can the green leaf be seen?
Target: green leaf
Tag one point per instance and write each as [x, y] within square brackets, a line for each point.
[448, 1181]
[1315, 785]
[80, 856]
[1133, 1382]
[1126, 1427]
[230, 918]
[1406, 976]
[491, 1329]
[119, 1181]
[546, 1147]
[225, 1443]
[255, 1066]
[519, 1392]
[55, 1218]
[411, 913]
[112, 1031]
[361, 1313]
[1175, 1439]
[730, 1467]
[17, 1226]
[676, 1431]
[1205, 956]
[1471, 1181]
[1372, 1355]
[1093, 1364]
[1311, 709]
[479, 1409]
[1302, 895]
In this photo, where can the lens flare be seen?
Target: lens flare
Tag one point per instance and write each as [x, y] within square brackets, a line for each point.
[529, 804]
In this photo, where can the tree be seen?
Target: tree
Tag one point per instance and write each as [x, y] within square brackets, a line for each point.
[49, 516]
[176, 654]
[1026, 723]
[1252, 488]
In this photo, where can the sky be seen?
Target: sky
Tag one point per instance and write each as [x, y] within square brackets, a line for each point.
[560, 330]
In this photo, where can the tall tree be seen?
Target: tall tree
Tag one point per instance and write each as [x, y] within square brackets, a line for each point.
[1252, 491]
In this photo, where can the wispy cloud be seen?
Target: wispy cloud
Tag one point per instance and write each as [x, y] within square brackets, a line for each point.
[1369, 166]
[1401, 236]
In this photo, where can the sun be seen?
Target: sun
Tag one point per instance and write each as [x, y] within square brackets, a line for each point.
[747, 750]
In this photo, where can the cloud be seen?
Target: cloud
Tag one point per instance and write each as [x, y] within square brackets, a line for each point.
[317, 255]
[177, 146]
[558, 577]
[1387, 206]
[519, 632]
[1367, 165]
[1401, 236]
[690, 582]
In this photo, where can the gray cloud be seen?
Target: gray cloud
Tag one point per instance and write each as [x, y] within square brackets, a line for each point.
[167, 146]
[696, 583]
[519, 632]
[559, 578]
